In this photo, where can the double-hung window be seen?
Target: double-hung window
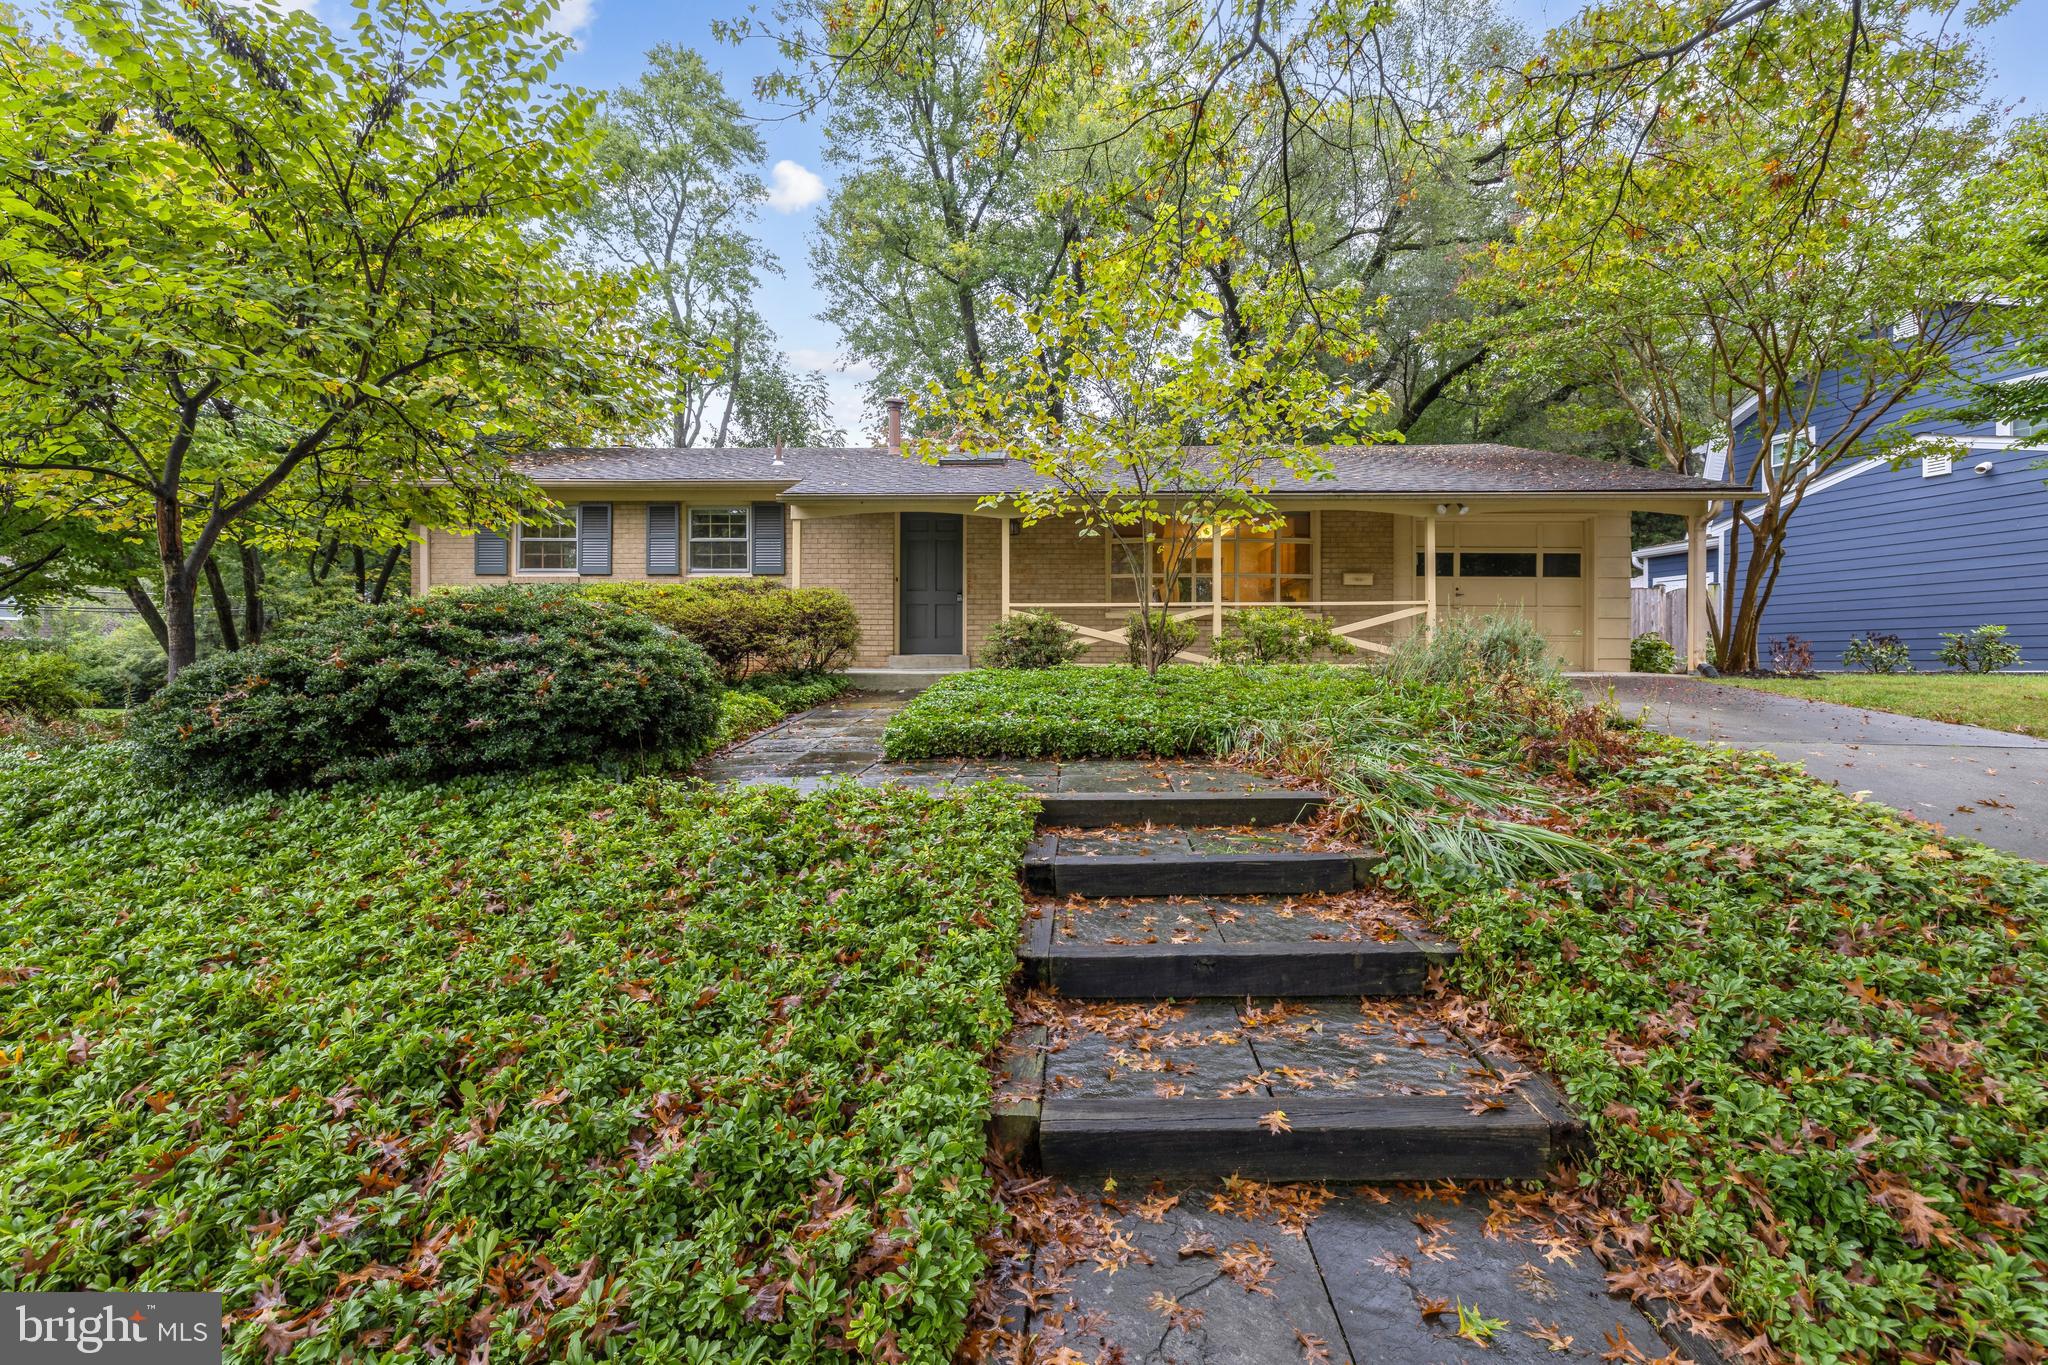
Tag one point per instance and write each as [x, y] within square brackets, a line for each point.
[718, 540]
[548, 546]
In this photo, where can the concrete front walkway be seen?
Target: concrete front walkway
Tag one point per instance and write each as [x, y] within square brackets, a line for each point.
[1983, 784]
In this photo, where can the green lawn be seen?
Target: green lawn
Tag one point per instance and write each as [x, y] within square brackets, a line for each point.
[538, 1068]
[1998, 701]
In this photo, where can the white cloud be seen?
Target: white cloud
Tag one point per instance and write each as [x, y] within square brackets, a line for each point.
[791, 187]
[831, 362]
[572, 16]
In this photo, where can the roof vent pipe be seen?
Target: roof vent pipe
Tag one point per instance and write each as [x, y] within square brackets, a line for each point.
[895, 406]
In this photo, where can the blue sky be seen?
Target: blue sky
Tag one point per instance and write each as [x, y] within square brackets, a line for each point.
[611, 35]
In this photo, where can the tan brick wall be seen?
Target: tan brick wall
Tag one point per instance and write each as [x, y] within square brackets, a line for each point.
[983, 548]
[1361, 542]
[451, 558]
[857, 555]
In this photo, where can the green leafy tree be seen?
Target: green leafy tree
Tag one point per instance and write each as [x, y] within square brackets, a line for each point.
[237, 248]
[679, 167]
[1152, 429]
[1729, 229]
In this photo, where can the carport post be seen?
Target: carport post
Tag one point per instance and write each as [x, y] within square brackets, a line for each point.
[1429, 574]
[1695, 592]
[1004, 527]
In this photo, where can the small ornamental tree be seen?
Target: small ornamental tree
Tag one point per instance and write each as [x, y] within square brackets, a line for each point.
[1750, 230]
[250, 268]
[1140, 418]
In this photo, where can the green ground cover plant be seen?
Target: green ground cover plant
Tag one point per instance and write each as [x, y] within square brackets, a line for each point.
[2017, 702]
[764, 701]
[1806, 1032]
[539, 1067]
[487, 679]
[1076, 711]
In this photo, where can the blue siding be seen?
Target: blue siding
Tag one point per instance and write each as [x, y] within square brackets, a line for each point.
[1670, 568]
[1889, 550]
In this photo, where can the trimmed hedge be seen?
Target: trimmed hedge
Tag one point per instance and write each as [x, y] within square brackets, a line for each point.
[546, 1067]
[1077, 711]
[749, 626]
[489, 679]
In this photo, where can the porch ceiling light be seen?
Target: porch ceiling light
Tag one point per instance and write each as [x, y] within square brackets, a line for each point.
[1463, 509]
[1443, 509]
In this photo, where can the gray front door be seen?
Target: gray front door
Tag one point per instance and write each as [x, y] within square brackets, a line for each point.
[932, 583]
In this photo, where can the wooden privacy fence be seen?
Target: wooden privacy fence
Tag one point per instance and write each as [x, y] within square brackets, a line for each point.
[1658, 611]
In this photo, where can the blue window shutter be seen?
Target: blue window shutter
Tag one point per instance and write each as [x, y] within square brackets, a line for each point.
[769, 537]
[493, 555]
[664, 547]
[594, 538]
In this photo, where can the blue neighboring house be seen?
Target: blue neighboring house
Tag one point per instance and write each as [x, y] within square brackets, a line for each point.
[1944, 542]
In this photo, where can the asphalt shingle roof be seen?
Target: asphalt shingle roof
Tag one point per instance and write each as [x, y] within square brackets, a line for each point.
[866, 472]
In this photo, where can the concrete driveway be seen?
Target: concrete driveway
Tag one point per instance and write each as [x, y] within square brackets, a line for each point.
[1984, 784]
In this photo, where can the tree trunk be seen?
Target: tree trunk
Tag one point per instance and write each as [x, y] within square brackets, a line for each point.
[223, 609]
[383, 583]
[253, 622]
[138, 597]
[181, 583]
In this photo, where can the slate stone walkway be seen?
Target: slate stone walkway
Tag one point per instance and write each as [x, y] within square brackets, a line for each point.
[1305, 1000]
[1214, 1273]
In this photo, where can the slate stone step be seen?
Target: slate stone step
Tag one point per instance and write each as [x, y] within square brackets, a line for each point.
[1093, 810]
[1191, 862]
[1149, 948]
[1329, 1089]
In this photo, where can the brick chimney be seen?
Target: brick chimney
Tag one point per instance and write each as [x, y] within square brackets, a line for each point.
[895, 406]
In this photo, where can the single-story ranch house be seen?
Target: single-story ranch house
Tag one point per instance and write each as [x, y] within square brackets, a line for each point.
[932, 556]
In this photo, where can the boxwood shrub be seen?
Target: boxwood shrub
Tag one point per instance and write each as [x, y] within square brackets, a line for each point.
[518, 1068]
[749, 626]
[490, 679]
[1077, 711]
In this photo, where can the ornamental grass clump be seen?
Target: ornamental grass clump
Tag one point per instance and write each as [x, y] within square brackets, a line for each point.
[483, 680]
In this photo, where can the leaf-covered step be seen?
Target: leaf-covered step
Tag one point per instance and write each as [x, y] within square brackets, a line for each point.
[1326, 1090]
[1348, 943]
[1151, 861]
[1090, 810]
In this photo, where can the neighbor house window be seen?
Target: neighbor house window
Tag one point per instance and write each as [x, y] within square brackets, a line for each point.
[1260, 564]
[718, 540]
[548, 546]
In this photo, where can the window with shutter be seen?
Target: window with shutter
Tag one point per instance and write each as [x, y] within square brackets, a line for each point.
[664, 540]
[770, 538]
[492, 555]
[594, 538]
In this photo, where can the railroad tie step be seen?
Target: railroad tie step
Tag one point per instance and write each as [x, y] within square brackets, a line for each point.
[1094, 810]
[1191, 862]
[1336, 1088]
[1153, 948]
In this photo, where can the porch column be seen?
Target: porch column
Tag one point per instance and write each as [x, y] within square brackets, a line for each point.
[1215, 584]
[796, 553]
[1429, 572]
[1004, 530]
[1695, 592]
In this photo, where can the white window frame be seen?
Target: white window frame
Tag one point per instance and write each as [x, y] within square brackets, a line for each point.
[1201, 572]
[573, 519]
[2005, 428]
[691, 540]
[1781, 440]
